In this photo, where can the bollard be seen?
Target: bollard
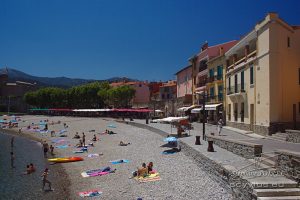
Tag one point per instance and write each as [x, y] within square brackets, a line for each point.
[197, 140]
[147, 121]
[210, 147]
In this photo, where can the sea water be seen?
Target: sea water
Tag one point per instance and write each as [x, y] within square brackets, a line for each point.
[13, 183]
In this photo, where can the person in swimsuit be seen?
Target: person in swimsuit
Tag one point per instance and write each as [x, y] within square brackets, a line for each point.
[45, 180]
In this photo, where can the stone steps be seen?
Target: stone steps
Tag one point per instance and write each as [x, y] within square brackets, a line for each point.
[280, 198]
[277, 192]
[279, 136]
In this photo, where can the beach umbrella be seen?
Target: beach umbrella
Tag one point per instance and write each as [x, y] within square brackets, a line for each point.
[170, 139]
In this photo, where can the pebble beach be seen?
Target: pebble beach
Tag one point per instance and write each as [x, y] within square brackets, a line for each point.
[181, 178]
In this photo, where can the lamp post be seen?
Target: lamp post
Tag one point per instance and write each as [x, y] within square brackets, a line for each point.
[204, 115]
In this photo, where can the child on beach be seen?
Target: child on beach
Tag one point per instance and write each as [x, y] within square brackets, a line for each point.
[83, 138]
[12, 159]
[46, 148]
[45, 180]
[51, 149]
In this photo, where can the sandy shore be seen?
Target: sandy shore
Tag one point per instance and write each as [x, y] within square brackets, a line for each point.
[181, 178]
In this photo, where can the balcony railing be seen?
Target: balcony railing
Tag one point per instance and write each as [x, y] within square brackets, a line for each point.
[216, 98]
[239, 88]
[214, 78]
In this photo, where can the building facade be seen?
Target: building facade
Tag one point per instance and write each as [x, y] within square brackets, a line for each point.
[200, 70]
[142, 93]
[263, 78]
[167, 93]
[184, 87]
[11, 94]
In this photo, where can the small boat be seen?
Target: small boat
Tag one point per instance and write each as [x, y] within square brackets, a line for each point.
[64, 160]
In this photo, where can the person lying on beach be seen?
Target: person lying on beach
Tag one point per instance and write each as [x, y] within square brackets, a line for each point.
[123, 144]
[94, 138]
[76, 136]
[111, 132]
[108, 169]
[91, 144]
[141, 172]
[150, 167]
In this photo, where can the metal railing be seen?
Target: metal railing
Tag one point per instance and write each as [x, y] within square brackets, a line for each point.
[239, 88]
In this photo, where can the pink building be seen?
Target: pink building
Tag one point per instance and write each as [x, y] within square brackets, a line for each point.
[199, 63]
[184, 86]
[142, 93]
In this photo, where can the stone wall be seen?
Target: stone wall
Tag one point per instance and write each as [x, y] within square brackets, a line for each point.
[288, 163]
[241, 148]
[238, 125]
[293, 136]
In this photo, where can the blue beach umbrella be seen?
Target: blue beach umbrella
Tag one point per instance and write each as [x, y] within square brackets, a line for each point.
[170, 139]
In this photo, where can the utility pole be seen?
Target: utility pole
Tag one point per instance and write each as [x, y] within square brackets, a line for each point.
[8, 105]
[204, 116]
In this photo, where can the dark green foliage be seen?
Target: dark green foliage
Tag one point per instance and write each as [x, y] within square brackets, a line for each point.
[91, 95]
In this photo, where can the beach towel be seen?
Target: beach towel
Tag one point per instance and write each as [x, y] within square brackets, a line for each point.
[62, 131]
[112, 126]
[115, 162]
[94, 155]
[78, 151]
[167, 152]
[149, 178]
[62, 146]
[97, 172]
[90, 193]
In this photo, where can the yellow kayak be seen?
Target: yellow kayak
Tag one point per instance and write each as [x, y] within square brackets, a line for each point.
[64, 160]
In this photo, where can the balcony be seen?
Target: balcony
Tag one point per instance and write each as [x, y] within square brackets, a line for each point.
[238, 89]
[214, 78]
[215, 99]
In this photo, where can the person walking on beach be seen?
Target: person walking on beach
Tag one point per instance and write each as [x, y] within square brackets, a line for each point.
[220, 125]
[45, 180]
[83, 139]
[46, 148]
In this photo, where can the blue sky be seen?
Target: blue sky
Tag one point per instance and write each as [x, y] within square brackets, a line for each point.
[142, 39]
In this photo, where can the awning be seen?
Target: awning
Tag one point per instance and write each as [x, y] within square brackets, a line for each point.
[212, 106]
[170, 119]
[159, 111]
[191, 107]
[182, 109]
[207, 107]
[196, 110]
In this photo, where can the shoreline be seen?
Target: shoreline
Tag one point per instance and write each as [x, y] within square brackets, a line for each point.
[59, 176]
[144, 147]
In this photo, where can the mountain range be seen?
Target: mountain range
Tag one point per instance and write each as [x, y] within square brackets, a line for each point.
[64, 82]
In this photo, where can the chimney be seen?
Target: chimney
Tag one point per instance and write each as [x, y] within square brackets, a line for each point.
[221, 51]
[204, 46]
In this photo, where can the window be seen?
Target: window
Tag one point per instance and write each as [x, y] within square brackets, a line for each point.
[251, 75]
[242, 81]
[288, 42]
[220, 91]
[229, 86]
[235, 112]
[140, 85]
[220, 72]
[235, 83]
[211, 73]
[242, 112]
[212, 92]
[163, 96]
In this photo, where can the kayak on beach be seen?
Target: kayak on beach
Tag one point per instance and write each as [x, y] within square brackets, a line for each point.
[64, 160]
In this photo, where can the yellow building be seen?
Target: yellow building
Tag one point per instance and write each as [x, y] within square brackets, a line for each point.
[263, 78]
[215, 88]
